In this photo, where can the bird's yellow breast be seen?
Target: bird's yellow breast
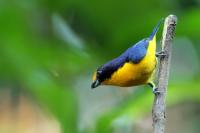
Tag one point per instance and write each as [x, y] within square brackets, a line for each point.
[131, 74]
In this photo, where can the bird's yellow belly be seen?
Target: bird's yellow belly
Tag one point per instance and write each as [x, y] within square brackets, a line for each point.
[131, 74]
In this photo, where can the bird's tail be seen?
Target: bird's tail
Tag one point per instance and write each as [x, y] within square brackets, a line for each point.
[155, 30]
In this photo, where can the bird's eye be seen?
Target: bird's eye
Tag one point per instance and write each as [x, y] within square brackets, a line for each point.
[98, 73]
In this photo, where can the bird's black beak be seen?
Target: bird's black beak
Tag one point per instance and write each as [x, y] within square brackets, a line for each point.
[95, 84]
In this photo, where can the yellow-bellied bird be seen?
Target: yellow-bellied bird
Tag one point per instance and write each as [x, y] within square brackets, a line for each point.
[136, 66]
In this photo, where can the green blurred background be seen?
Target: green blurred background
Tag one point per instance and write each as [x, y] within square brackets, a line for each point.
[50, 49]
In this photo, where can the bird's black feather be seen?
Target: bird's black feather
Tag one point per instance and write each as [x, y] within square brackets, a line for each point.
[134, 54]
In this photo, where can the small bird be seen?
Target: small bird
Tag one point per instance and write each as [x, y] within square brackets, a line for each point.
[136, 66]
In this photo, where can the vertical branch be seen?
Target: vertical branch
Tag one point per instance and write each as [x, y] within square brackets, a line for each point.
[158, 111]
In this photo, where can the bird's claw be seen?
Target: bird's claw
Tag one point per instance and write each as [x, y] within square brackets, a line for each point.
[161, 54]
[154, 88]
[156, 91]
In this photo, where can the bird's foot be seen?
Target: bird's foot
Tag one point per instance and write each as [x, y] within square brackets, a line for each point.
[156, 91]
[154, 88]
[161, 54]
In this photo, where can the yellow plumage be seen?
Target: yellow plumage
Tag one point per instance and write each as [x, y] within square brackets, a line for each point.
[136, 66]
[131, 74]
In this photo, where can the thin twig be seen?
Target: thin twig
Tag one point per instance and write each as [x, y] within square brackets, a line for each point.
[158, 111]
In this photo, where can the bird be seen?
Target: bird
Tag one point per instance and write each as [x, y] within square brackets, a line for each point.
[136, 66]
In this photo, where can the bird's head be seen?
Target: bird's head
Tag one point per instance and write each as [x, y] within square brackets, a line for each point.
[96, 79]
[104, 73]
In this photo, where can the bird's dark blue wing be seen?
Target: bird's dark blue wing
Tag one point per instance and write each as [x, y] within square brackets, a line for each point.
[137, 52]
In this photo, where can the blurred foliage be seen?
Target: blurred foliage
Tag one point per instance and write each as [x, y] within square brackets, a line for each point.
[45, 46]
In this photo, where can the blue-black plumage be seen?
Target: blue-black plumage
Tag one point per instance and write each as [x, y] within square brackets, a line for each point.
[133, 55]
